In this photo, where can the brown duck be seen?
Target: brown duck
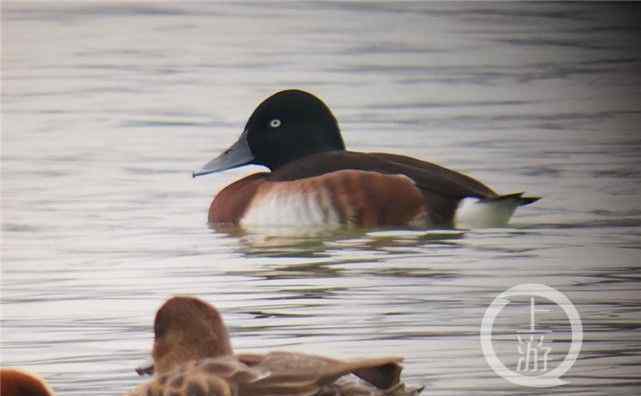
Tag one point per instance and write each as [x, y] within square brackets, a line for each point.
[192, 356]
[18, 382]
[316, 181]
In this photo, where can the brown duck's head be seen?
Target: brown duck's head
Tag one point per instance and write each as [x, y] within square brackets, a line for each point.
[17, 382]
[187, 329]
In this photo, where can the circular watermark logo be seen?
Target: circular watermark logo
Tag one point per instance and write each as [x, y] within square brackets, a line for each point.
[533, 353]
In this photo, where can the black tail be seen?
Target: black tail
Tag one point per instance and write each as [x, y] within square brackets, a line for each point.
[522, 201]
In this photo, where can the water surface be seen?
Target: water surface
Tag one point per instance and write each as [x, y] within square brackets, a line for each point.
[108, 107]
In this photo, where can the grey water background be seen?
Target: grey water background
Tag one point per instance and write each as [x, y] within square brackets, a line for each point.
[108, 106]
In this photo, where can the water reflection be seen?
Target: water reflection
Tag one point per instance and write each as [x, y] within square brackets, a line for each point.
[288, 241]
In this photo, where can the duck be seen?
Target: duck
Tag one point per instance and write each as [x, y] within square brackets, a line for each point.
[313, 180]
[192, 355]
[19, 382]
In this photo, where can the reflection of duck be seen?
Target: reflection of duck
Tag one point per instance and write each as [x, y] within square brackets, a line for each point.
[16, 382]
[290, 241]
[192, 355]
[315, 181]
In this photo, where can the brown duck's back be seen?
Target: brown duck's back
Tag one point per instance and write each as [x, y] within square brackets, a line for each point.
[282, 374]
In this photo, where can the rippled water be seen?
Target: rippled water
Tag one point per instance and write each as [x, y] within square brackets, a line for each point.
[107, 107]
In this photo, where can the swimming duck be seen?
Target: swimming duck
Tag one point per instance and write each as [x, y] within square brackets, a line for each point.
[18, 382]
[314, 180]
[192, 355]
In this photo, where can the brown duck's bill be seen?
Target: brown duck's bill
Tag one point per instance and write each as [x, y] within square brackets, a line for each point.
[145, 369]
[238, 154]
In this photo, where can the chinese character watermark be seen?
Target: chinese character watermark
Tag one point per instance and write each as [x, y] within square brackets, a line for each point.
[531, 349]
[532, 368]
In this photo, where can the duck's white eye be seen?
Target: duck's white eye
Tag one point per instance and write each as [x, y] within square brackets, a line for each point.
[275, 123]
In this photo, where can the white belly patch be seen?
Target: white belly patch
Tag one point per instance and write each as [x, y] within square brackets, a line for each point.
[474, 213]
[289, 207]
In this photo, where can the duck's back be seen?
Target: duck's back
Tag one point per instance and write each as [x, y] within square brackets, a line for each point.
[280, 373]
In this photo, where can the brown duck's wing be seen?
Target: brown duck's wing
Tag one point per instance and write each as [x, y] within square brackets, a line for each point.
[426, 175]
[442, 188]
[432, 177]
[297, 374]
[279, 374]
[383, 373]
[250, 359]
